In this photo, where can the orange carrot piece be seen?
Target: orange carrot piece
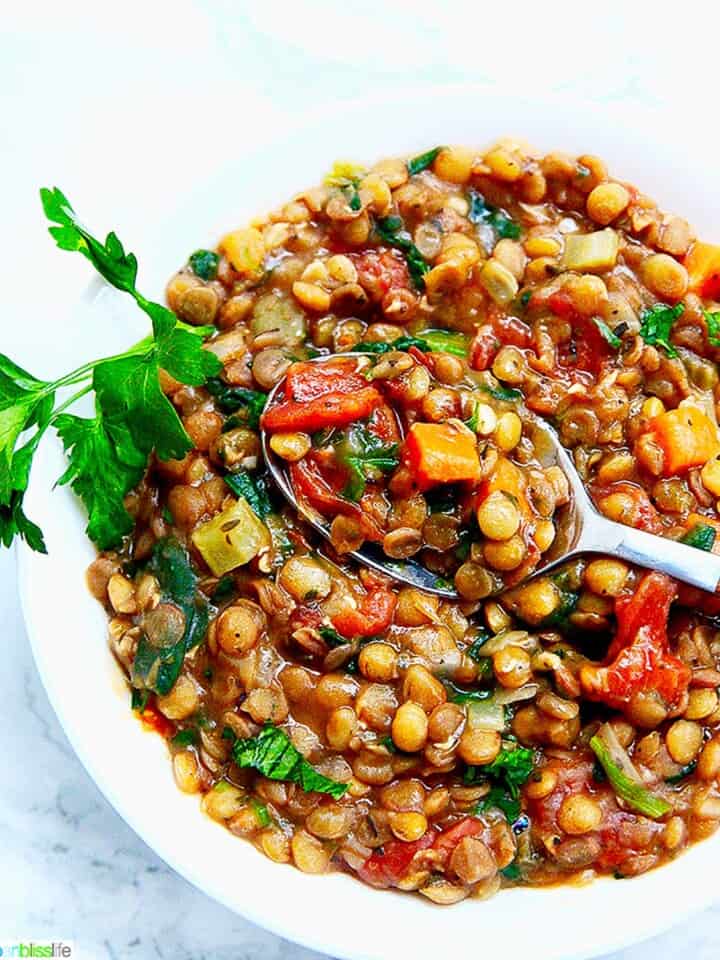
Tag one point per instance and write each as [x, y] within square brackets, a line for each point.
[507, 478]
[703, 267]
[441, 453]
[687, 437]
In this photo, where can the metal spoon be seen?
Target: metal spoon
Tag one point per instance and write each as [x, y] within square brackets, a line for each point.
[580, 530]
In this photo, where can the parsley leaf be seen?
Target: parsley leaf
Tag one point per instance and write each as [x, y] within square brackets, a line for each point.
[391, 231]
[713, 327]
[507, 773]
[422, 161]
[656, 323]
[482, 213]
[107, 454]
[273, 755]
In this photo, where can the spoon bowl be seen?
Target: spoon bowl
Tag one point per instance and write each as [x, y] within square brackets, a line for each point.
[581, 529]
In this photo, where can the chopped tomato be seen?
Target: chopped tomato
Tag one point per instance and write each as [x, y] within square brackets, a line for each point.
[311, 486]
[380, 272]
[642, 515]
[388, 865]
[328, 410]
[383, 424]
[638, 658]
[484, 347]
[588, 348]
[509, 329]
[441, 453]
[154, 720]
[308, 381]
[373, 614]
[450, 838]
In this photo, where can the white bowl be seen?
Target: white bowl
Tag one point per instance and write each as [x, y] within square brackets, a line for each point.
[336, 914]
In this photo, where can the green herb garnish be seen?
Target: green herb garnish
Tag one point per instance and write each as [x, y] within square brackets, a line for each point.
[507, 773]
[685, 772]
[482, 212]
[366, 458]
[253, 488]
[331, 636]
[184, 738]
[422, 161]
[713, 327]
[157, 665]
[232, 399]
[508, 394]
[607, 334]
[429, 341]
[656, 323]
[702, 536]
[634, 794]
[139, 699]
[273, 755]
[204, 264]
[391, 231]
[107, 453]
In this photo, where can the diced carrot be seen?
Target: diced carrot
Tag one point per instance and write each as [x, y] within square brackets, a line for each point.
[687, 437]
[507, 478]
[703, 267]
[441, 453]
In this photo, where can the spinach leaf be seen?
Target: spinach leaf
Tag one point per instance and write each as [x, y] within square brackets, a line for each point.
[608, 335]
[184, 738]
[507, 394]
[331, 636]
[686, 771]
[429, 341]
[656, 323]
[231, 399]
[204, 264]
[273, 755]
[701, 536]
[481, 212]
[366, 458]
[422, 161]
[253, 488]
[391, 231]
[158, 667]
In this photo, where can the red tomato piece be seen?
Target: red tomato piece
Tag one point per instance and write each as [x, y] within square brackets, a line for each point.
[638, 658]
[387, 867]
[311, 486]
[154, 720]
[308, 381]
[329, 410]
[381, 271]
[484, 347]
[450, 838]
[372, 615]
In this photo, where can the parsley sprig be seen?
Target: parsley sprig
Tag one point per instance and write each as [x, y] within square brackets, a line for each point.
[656, 323]
[107, 453]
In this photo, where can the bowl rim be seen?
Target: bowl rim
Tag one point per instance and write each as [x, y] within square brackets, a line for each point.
[355, 945]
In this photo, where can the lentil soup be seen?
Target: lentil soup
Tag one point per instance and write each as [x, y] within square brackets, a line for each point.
[564, 729]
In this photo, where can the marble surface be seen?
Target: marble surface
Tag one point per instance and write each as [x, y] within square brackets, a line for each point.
[94, 106]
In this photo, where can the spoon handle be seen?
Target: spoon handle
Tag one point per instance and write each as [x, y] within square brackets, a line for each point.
[685, 563]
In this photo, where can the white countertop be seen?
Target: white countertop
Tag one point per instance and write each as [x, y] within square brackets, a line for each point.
[94, 97]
